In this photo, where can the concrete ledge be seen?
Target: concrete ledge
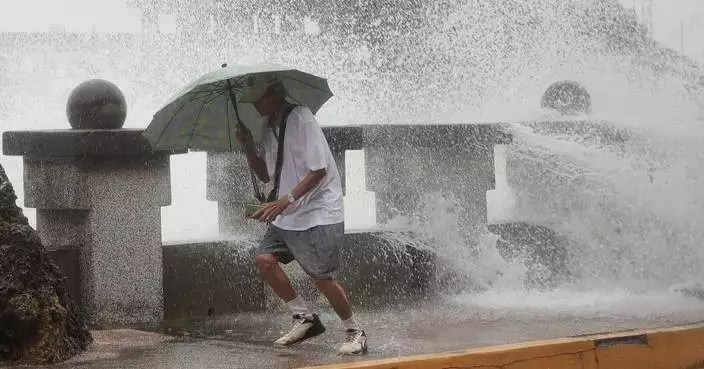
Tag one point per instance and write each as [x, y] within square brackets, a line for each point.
[210, 278]
[215, 277]
[113, 143]
[434, 136]
[220, 277]
[376, 271]
[594, 131]
[341, 138]
[669, 348]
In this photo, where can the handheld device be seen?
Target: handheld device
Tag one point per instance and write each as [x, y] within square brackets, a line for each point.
[250, 209]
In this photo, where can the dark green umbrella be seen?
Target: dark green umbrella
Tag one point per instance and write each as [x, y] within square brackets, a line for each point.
[206, 113]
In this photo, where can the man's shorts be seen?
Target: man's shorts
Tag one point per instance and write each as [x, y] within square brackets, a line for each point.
[316, 249]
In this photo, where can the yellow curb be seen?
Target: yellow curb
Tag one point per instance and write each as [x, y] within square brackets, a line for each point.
[680, 347]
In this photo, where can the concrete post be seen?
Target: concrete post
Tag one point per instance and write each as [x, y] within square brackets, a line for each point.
[544, 196]
[100, 192]
[405, 163]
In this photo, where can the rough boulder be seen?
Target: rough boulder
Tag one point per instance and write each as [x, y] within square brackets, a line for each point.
[38, 323]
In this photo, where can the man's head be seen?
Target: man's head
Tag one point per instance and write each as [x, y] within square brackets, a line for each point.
[266, 94]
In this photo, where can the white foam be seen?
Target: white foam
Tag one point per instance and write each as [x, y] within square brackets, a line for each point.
[591, 303]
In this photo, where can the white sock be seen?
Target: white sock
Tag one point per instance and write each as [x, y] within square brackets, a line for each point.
[298, 307]
[350, 323]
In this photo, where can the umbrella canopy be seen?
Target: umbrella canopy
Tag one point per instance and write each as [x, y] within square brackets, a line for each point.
[204, 114]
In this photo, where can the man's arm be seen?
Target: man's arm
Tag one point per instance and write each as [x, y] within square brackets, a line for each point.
[308, 183]
[272, 209]
[256, 163]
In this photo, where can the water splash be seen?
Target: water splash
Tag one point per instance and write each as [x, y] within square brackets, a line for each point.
[630, 208]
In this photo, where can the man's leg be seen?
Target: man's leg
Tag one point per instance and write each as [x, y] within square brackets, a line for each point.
[268, 265]
[317, 250]
[356, 338]
[305, 323]
[336, 296]
[278, 280]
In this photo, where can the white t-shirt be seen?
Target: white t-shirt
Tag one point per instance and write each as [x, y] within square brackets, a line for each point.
[305, 150]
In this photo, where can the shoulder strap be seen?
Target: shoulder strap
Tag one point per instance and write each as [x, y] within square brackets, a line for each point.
[274, 194]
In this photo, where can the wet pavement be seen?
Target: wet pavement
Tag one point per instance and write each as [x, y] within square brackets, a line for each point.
[244, 340]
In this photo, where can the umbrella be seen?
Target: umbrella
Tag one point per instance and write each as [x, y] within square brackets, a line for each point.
[205, 114]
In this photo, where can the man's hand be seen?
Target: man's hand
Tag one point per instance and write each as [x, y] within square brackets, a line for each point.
[271, 210]
[244, 136]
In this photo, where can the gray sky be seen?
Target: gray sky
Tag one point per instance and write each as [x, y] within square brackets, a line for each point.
[70, 15]
[671, 17]
[114, 15]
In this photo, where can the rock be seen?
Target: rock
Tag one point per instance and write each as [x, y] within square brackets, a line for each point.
[39, 323]
[690, 289]
[544, 251]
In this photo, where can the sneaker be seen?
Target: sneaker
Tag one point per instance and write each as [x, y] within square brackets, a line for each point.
[303, 328]
[355, 342]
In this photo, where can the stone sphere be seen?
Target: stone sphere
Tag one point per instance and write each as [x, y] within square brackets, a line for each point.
[567, 97]
[96, 104]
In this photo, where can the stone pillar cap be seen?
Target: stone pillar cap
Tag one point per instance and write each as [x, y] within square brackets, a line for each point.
[79, 143]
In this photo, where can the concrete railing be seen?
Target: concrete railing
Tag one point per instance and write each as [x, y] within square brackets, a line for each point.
[220, 277]
[99, 192]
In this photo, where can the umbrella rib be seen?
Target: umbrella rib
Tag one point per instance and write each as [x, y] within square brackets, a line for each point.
[306, 83]
[186, 102]
[211, 85]
[171, 120]
[195, 125]
[193, 132]
[217, 85]
[240, 80]
[294, 100]
[202, 92]
[207, 93]
[227, 116]
[211, 98]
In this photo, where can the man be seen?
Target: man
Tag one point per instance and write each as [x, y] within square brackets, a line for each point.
[307, 218]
